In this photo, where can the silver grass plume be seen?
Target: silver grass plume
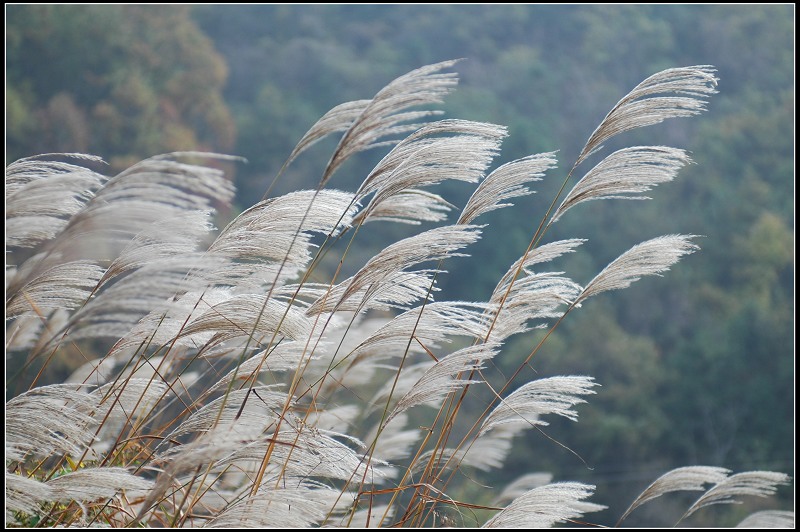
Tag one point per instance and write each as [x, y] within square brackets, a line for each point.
[49, 420]
[25, 494]
[163, 325]
[160, 264]
[207, 449]
[380, 272]
[394, 290]
[340, 118]
[420, 149]
[553, 395]
[681, 479]
[165, 238]
[124, 402]
[755, 483]
[154, 189]
[648, 258]
[386, 112]
[282, 357]
[627, 171]
[30, 169]
[533, 296]
[200, 185]
[411, 206]
[438, 321]
[291, 507]
[163, 373]
[538, 255]
[506, 182]
[303, 451]
[486, 452]
[545, 506]
[447, 149]
[150, 289]
[521, 485]
[302, 295]
[96, 483]
[278, 228]
[247, 315]
[87, 485]
[127, 398]
[256, 407]
[491, 450]
[25, 331]
[59, 419]
[641, 107]
[42, 195]
[442, 378]
[63, 286]
[221, 428]
[768, 519]
[335, 369]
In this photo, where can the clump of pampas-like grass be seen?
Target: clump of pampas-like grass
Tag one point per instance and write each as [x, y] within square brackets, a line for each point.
[243, 386]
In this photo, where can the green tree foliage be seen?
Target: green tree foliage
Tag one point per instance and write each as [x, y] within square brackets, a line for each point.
[124, 81]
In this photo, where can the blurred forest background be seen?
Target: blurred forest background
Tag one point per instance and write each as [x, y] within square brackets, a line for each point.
[696, 368]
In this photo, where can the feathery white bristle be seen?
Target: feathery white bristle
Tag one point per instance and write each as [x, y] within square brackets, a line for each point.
[648, 258]
[641, 107]
[553, 395]
[545, 506]
[691, 478]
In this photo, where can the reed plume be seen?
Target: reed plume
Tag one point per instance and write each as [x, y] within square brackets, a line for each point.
[232, 379]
